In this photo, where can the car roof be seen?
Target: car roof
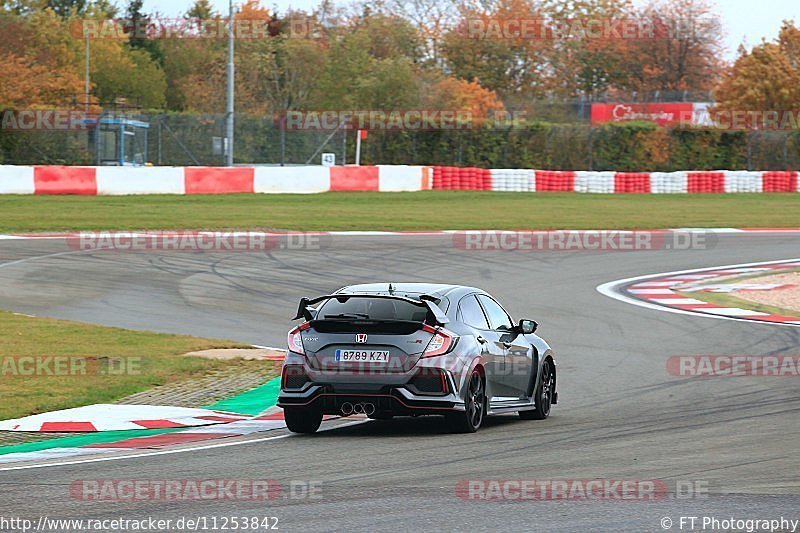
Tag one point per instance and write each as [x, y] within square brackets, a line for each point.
[408, 289]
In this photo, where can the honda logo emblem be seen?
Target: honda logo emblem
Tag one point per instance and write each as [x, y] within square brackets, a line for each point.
[361, 338]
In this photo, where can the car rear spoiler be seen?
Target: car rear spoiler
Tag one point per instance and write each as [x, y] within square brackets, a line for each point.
[434, 317]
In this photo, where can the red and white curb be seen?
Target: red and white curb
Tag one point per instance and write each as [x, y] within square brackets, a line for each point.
[148, 234]
[269, 421]
[113, 417]
[662, 292]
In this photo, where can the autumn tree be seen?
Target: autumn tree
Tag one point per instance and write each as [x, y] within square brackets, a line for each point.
[481, 104]
[767, 78]
[432, 19]
[685, 53]
[480, 48]
[587, 54]
[140, 22]
[292, 68]
[67, 8]
[39, 62]
[201, 10]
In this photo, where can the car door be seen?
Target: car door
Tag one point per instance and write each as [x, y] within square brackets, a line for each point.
[493, 352]
[518, 351]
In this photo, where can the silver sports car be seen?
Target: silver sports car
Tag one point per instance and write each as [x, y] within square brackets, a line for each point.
[412, 349]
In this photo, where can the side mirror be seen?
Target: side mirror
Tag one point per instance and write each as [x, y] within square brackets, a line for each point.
[528, 327]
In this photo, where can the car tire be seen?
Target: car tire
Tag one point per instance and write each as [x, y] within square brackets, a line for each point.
[543, 395]
[302, 419]
[471, 419]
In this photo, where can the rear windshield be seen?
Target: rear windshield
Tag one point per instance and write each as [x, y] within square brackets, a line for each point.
[372, 309]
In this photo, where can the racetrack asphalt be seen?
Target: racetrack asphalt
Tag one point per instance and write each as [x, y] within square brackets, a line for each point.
[621, 416]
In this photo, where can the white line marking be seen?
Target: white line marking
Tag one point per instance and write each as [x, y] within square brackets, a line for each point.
[710, 230]
[268, 348]
[678, 301]
[170, 452]
[733, 311]
[406, 233]
[652, 292]
[611, 289]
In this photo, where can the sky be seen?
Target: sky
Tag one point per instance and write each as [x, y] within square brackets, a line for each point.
[745, 21]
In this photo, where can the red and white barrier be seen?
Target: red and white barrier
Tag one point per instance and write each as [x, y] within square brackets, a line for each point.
[295, 180]
[403, 178]
[514, 180]
[736, 182]
[705, 182]
[384, 178]
[595, 182]
[669, 182]
[139, 180]
[17, 180]
[210, 180]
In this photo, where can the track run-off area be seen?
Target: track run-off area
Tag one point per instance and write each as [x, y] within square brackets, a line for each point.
[722, 447]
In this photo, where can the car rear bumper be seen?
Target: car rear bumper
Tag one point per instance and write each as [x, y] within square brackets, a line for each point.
[395, 400]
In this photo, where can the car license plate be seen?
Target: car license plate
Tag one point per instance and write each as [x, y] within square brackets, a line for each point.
[362, 356]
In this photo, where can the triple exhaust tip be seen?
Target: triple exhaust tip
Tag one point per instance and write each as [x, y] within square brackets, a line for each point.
[359, 408]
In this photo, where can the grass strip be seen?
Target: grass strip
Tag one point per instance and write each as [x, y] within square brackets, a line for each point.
[428, 210]
[48, 365]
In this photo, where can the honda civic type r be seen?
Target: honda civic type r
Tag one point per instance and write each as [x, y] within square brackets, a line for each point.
[414, 349]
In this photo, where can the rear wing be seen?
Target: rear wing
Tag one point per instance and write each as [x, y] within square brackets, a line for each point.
[434, 317]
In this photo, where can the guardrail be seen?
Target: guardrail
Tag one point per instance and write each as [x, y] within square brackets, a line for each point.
[383, 178]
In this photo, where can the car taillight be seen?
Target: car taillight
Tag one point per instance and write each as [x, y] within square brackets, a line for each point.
[295, 339]
[441, 343]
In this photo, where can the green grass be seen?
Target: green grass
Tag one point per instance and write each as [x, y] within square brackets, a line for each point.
[430, 210]
[149, 360]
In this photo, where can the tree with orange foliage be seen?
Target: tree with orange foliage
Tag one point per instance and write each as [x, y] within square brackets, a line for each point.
[488, 45]
[684, 53]
[24, 84]
[38, 63]
[765, 79]
[586, 57]
[481, 104]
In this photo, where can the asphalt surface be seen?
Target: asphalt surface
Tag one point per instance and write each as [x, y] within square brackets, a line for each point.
[621, 416]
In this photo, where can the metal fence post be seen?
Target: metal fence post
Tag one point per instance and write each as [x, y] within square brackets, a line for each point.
[344, 146]
[158, 133]
[283, 146]
[786, 151]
